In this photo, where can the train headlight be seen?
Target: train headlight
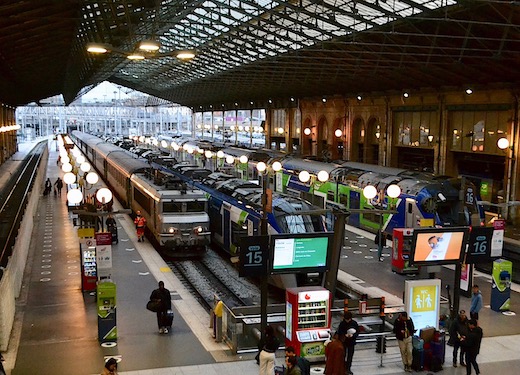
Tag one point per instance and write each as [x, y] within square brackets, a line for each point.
[198, 230]
[173, 230]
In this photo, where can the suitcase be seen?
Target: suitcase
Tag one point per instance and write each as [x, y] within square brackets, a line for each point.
[439, 348]
[168, 319]
[427, 334]
[417, 342]
[113, 230]
[417, 359]
[279, 370]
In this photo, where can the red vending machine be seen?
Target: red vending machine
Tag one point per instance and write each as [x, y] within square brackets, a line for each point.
[401, 248]
[308, 319]
[88, 265]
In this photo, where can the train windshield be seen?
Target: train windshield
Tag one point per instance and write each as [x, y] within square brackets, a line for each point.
[300, 223]
[191, 206]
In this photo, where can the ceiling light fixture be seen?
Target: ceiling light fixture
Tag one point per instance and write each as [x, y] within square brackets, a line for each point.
[148, 50]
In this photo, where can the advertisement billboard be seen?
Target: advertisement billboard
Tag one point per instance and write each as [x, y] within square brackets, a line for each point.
[438, 245]
[422, 302]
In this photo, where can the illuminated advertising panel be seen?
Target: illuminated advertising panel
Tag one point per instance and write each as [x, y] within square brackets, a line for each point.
[422, 302]
[439, 245]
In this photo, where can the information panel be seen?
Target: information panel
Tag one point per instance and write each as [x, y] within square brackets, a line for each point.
[304, 252]
[422, 302]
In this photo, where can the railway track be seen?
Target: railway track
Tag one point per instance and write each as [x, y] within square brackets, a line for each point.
[210, 278]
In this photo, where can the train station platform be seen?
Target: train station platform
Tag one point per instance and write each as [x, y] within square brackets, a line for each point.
[56, 323]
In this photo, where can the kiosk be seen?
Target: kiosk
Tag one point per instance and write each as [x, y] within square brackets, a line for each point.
[501, 287]
[87, 248]
[308, 319]
[106, 309]
[401, 249]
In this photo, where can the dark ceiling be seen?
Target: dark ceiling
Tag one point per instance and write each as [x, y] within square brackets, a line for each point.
[251, 51]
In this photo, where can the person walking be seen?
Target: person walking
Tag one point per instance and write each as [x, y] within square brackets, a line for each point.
[476, 303]
[349, 330]
[48, 187]
[140, 224]
[110, 367]
[458, 329]
[335, 357]
[404, 330]
[163, 296]
[471, 343]
[59, 185]
[269, 346]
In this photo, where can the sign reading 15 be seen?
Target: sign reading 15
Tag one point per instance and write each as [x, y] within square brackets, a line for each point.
[254, 255]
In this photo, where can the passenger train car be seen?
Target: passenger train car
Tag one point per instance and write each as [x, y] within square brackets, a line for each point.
[176, 214]
[425, 199]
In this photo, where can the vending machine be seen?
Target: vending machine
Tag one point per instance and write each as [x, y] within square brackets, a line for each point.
[88, 265]
[106, 309]
[401, 249]
[308, 319]
[501, 286]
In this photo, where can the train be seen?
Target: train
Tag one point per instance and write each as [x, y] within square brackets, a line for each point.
[425, 199]
[176, 214]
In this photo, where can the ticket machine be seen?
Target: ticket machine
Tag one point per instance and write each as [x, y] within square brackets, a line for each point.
[501, 286]
[106, 309]
[308, 319]
[401, 248]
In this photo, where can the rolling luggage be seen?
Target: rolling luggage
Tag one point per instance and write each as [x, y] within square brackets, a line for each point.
[279, 370]
[113, 230]
[168, 319]
[417, 359]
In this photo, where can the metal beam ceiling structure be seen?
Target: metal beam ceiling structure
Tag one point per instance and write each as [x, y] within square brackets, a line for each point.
[251, 51]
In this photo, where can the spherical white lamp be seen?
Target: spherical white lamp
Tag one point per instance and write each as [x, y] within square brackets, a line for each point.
[74, 196]
[208, 154]
[304, 176]
[323, 176]
[277, 166]
[369, 192]
[66, 167]
[92, 178]
[190, 150]
[85, 167]
[65, 159]
[69, 178]
[104, 195]
[338, 133]
[175, 146]
[80, 159]
[164, 144]
[503, 143]
[307, 131]
[393, 191]
[230, 159]
[261, 167]
[220, 154]
[243, 159]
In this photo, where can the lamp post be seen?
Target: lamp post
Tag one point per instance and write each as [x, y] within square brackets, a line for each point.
[266, 199]
[370, 192]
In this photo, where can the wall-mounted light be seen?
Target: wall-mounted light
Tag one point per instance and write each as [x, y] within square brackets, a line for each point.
[430, 138]
[359, 97]
[292, 99]
[280, 130]
[469, 91]
[324, 100]
[378, 134]
[503, 143]
[338, 133]
[307, 131]
[406, 94]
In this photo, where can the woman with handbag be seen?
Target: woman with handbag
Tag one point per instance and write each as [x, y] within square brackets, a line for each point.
[164, 299]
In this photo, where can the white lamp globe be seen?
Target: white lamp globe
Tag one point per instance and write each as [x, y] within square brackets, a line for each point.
[369, 192]
[104, 195]
[503, 143]
[208, 154]
[164, 144]
[175, 147]
[243, 159]
[323, 176]
[230, 159]
[65, 159]
[277, 166]
[74, 196]
[261, 167]
[92, 178]
[141, 139]
[85, 167]
[76, 152]
[66, 167]
[80, 159]
[304, 176]
[307, 131]
[338, 133]
[63, 153]
[393, 191]
[69, 178]
[220, 154]
[190, 150]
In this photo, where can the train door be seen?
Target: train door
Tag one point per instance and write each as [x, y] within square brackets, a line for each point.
[354, 204]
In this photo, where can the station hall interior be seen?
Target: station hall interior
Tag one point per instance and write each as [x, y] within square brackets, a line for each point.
[421, 85]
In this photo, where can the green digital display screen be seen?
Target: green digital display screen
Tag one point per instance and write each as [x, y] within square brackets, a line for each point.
[305, 253]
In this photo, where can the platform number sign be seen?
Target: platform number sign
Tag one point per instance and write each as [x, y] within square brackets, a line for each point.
[470, 196]
[253, 256]
[479, 249]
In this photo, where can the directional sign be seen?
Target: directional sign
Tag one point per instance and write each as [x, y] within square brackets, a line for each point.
[253, 256]
[479, 245]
